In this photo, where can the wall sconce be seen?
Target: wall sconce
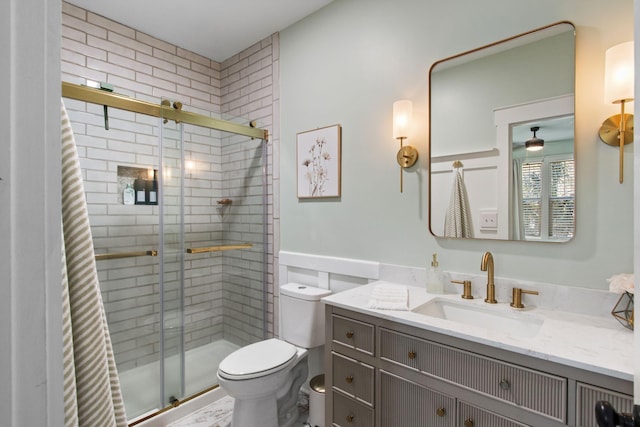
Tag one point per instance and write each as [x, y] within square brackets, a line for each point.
[407, 155]
[618, 89]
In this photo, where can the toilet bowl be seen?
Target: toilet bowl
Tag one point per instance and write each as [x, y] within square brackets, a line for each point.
[264, 378]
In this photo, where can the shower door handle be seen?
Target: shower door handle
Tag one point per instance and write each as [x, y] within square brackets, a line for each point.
[218, 248]
[118, 255]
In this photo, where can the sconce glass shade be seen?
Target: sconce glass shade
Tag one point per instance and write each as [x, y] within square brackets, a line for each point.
[618, 73]
[402, 113]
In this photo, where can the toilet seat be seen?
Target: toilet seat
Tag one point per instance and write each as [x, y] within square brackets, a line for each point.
[257, 360]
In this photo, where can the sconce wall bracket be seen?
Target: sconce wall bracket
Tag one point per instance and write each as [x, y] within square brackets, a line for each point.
[610, 130]
[618, 132]
[407, 156]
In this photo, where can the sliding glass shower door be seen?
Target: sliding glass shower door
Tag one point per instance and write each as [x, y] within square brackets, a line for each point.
[182, 266]
[212, 225]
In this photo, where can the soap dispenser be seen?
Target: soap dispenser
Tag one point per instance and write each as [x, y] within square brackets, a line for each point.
[435, 284]
[128, 195]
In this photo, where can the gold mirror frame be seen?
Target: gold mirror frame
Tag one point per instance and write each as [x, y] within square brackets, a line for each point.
[463, 125]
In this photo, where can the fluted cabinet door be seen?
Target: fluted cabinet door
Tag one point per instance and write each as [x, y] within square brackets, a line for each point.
[405, 403]
[588, 395]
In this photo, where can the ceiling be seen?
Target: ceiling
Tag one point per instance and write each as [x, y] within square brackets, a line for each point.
[551, 129]
[216, 29]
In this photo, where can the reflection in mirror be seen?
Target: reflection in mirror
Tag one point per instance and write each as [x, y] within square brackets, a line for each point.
[483, 105]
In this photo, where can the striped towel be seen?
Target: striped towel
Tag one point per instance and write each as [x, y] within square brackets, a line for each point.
[386, 296]
[92, 395]
[457, 222]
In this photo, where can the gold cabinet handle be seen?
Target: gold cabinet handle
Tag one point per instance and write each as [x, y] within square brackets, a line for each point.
[468, 422]
[412, 355]
[350, 418]
[349, 379]
[349, 335]
[505, 384]
[441, 412]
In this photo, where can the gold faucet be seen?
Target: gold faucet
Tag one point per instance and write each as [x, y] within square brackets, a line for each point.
[517, 297]
[487, 265]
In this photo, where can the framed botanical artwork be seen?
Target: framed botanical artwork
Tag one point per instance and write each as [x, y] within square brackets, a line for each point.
[318, 162]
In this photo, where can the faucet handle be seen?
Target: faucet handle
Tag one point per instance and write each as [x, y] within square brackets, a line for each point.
[517, 297]
[466, 293]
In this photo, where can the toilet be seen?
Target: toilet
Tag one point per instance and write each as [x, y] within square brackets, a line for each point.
[264, 378]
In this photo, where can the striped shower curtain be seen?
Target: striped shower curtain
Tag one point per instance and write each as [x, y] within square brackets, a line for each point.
[92, 395]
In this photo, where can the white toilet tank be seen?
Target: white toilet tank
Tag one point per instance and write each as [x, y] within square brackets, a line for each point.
[302, 315]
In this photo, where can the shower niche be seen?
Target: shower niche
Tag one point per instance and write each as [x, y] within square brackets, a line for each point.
[184, 277]
[142, 183]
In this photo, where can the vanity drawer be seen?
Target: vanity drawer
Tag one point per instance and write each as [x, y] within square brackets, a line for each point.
[588, 395]
[353, 333]
[405, 403]
[533, 390]
[349, 413]
[471, 416]
[353, 378]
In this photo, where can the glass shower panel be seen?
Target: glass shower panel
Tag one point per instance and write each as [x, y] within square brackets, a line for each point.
[244, 271]
[224, 240]
[172, 271]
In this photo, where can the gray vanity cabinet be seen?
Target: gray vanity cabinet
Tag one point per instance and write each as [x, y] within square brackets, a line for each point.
[382, 373]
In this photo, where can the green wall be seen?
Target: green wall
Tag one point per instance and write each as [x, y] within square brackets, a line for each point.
[350, 61]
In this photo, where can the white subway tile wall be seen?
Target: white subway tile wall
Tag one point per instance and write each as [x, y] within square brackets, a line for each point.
[222, 291]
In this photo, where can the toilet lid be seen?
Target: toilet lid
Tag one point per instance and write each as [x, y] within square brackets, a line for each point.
[257, 360]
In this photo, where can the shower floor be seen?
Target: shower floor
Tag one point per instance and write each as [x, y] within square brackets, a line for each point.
[141, 386]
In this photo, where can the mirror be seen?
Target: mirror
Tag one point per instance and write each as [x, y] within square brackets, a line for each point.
[485, 106]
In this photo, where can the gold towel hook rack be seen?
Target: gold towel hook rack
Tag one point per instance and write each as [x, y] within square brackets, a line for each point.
[457, 164]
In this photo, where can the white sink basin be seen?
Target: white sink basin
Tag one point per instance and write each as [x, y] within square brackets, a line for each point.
[493, 318]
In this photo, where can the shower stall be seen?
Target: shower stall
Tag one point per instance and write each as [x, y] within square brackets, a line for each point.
[178, 210]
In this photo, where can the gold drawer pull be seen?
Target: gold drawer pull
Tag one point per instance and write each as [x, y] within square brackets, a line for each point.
[349, 335]
[441, 412]
[412, 355]
[350, 418]
[468, 422]
[349, 379]
[505, 385]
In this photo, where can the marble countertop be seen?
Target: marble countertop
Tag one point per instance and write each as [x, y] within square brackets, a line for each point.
[592, 342]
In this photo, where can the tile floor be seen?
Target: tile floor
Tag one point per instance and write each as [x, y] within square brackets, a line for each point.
[218, 414]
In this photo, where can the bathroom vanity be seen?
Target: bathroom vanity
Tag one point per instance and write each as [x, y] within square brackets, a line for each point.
[390, 368]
